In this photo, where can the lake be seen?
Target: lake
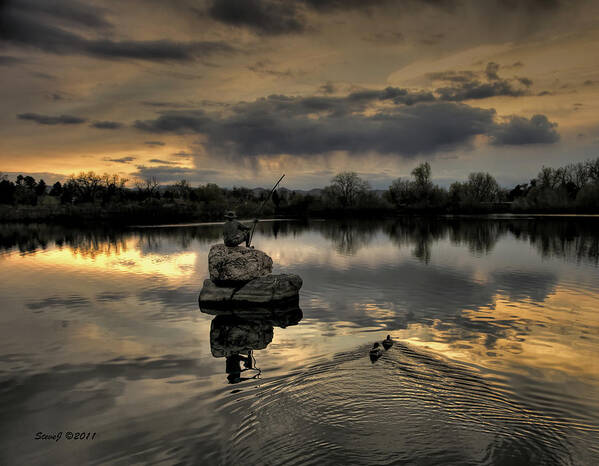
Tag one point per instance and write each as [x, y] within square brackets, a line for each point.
[495, 361]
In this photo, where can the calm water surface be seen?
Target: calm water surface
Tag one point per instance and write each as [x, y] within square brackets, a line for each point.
[496, 324]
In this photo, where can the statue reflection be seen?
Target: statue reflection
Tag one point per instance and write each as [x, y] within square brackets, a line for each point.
[235, 333]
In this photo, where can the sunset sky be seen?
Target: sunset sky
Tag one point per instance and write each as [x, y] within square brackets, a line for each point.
[237, 92]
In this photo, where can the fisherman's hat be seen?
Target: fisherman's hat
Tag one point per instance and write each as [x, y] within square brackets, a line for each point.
[230, 214]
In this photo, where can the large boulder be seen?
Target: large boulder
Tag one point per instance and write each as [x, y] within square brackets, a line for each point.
[265, 290]
[237, 264]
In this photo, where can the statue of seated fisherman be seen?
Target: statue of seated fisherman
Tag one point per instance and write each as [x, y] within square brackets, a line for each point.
[235, 232]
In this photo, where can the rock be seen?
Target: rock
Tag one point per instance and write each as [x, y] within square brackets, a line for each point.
[237, 264]
[263, 290]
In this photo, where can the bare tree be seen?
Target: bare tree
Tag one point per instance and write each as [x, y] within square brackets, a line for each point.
[148, 186]
[548, 178]
[593, 169]
[579, 174]
[86, 185]
[182, 189]
[482, 187]
[348, 187]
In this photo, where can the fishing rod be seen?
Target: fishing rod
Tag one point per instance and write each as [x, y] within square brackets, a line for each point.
[262, 206]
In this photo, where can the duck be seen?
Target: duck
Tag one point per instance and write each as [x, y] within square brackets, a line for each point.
[387, 342]
[375, 352]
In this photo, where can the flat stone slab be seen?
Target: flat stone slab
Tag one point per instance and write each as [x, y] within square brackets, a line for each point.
[263, 290]
[237, 264]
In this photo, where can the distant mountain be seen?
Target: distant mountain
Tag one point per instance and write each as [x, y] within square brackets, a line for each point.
[316, 192]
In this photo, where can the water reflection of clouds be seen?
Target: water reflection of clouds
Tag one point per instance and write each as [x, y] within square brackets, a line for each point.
[127, 261]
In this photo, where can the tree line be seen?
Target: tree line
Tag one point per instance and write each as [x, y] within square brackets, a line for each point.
[571, 188]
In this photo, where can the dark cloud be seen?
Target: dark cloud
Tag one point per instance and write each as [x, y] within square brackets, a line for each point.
[71, 12]
[168, 174]
[265, 67]
[154, 143]
[414, 123]
[7, 60]
[433, 39]
[467, 84]
[183, 154]
[121, 160]
[106, 125]
[519, 130]
[264, 16]
[588, 82]
[453, 76]
[395, 94]
[37, 74]
[34, 28]
[52, 120]
[150, 103]
[273, 17]
[525, 81]
[517, 64]
[491, 71]
[286, 125]
[163, 162]
[331, 5]
[384, 38]
[534, 5]
[157, 50]
[327, 88]
[479, 90]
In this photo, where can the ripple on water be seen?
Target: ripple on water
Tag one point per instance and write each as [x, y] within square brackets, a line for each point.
[408, 407]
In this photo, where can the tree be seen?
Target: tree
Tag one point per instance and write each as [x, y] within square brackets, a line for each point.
[210, 193]
[547, 178]
[112, 187]
[40, 189]
[422, 177]
[482, 187]
[182, 190]
[347, 187]
[593, 169]
[579, 174]
[276, 199]
[148, 187]
[401, 192]
[56, 190]
[85, 186]
[420, 193]
[7, 191]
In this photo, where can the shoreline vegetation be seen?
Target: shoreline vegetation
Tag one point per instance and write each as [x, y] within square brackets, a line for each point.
[89, 197]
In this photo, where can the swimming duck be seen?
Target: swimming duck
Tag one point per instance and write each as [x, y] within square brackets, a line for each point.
[388, 342]
[375, 352]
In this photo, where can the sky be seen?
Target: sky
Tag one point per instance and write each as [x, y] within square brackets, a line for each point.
[237, 92]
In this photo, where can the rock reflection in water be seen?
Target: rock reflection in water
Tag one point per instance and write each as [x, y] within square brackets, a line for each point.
[235, 333]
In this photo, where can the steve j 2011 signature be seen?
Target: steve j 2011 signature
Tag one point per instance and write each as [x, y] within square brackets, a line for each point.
[56, 436]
